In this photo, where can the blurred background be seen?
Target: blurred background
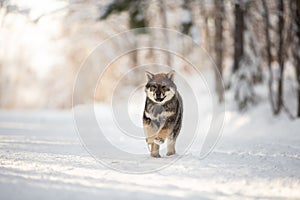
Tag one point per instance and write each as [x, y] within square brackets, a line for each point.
[255, 45]
[51, 150]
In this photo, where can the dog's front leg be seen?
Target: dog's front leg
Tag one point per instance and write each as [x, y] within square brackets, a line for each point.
[155, 150]
[165, 131]
[162, 135]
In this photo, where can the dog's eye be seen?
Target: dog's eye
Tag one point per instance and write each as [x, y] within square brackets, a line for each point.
[165, 88]
[153, 87]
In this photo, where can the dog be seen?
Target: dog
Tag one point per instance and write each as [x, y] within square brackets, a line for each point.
[162, 117]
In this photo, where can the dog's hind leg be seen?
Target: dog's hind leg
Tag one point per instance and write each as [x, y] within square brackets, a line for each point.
[171, 146]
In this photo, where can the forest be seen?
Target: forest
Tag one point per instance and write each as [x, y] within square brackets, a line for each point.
[252, 43]
[263, 35]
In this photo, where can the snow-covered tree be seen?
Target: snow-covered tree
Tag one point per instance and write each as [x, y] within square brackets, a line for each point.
[135, 8]
[247, 60]
[280, 56]
[219, 15]
[243, 83]
[295, 45]
[187, 25]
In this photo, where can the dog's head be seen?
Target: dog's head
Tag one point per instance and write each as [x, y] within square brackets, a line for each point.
[160, 88]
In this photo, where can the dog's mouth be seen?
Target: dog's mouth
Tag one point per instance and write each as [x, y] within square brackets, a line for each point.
[160, 99]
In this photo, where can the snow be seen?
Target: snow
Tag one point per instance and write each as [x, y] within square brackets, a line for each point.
[186, 16]
[195, 35]
[41, 156]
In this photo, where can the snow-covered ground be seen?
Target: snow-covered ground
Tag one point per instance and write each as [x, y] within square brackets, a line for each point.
[41, 157]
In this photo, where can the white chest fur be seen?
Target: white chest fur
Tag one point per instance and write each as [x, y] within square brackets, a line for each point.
[159, 116]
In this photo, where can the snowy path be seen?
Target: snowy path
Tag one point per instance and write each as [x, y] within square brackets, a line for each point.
[41, 157]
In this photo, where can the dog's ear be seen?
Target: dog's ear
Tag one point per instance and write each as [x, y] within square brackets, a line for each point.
[170, 75]
[149, 75]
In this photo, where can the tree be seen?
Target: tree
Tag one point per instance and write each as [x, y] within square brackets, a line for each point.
[247, 69]
[186, 19]
[162, 9]
[295, 10]
[238, 35]
[135, 9]
[242, 69]
[219, 13]
[269, 56]
[280, 56]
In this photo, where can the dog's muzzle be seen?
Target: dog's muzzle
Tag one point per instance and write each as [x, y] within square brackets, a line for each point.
[159, 97]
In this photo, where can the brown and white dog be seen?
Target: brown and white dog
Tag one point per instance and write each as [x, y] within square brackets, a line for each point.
[162, 116]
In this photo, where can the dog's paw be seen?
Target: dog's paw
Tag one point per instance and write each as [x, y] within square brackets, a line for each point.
[170, 153]
[155, 155]
[159, 141]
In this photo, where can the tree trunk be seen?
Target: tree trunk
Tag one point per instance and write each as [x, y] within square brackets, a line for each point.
[162, 9]
[295, 6]
[297, 19]
[206, 38]
[280, 56]
[219, 13]
[238, 35]
[269, 56]
[298, 81]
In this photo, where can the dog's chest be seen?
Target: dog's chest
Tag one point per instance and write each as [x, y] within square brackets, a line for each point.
[158, 113]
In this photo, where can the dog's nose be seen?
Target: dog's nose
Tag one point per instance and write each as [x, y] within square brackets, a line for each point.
[159, 96]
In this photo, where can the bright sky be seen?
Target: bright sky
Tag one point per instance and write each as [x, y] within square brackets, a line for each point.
[39, 7]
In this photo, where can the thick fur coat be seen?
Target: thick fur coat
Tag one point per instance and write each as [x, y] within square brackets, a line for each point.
[163, 111]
